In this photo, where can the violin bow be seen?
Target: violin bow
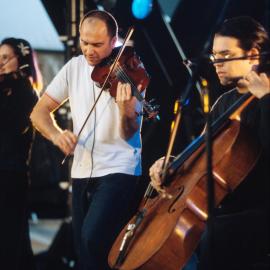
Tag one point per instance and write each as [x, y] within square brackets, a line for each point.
[168, 155]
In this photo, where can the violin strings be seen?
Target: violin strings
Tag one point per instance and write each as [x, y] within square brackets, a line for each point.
[124, 76]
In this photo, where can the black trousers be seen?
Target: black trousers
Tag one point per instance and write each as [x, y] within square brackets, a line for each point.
[15, 245]
[101, 207]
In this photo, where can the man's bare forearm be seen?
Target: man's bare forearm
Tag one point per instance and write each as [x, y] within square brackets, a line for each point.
[43, 121]
[129, 125]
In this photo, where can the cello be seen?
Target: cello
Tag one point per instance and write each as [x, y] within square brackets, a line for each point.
[166, 230]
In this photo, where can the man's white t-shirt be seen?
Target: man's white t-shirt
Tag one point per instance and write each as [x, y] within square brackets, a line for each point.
[100, 142]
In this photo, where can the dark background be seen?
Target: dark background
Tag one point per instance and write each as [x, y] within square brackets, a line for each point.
[193, 23]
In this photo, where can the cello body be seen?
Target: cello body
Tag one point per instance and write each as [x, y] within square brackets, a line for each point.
[172, 226]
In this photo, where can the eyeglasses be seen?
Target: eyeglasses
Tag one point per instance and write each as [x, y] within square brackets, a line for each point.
[226, 57]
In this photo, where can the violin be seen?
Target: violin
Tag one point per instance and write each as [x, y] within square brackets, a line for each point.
[129, 69]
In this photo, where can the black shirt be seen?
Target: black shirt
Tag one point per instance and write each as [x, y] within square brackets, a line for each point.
[17, 99]
[254, 191]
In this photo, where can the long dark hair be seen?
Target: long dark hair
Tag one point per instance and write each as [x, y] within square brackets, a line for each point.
[24, 52]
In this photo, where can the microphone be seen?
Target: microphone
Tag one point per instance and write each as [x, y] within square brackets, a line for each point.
[188, 63]
[223, 60]
[244, 57]
[193, 62]
[211, 59]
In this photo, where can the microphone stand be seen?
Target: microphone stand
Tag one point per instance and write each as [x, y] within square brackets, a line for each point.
[208, 141]
[208, 130]
[210, 179]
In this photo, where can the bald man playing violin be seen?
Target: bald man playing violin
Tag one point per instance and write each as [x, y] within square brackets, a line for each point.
[107, 153]
[241, 56]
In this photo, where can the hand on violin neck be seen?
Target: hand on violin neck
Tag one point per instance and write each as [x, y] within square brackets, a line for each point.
[125, 101]
[256, 84]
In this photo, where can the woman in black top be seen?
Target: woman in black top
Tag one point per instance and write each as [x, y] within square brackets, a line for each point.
[17, 99]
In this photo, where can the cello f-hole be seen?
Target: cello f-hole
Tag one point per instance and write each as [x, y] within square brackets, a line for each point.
[180, 191]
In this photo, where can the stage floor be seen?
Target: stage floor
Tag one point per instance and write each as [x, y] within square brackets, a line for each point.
[42, 233]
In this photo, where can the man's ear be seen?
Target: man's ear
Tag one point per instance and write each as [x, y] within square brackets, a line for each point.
[254, 52]
[113, 41]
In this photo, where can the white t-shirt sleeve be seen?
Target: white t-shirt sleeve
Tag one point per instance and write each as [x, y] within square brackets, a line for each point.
[58, 88]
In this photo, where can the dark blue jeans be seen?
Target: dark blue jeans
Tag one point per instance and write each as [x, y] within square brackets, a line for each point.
[101, 207]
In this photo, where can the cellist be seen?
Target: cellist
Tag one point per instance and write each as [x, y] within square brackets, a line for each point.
[240, 55]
